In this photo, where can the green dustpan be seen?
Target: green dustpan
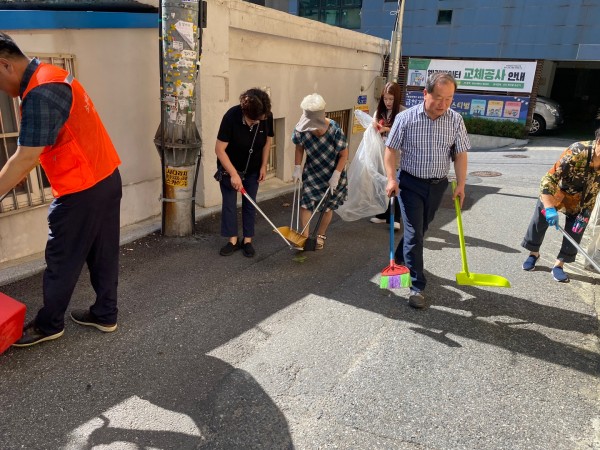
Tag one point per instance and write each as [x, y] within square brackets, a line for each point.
[465, 277]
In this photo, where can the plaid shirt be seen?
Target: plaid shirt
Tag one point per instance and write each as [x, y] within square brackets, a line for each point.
[425, 144]
[322, 156]
[44, 111]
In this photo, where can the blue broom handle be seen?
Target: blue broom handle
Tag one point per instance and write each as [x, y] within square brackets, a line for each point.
[392, 228]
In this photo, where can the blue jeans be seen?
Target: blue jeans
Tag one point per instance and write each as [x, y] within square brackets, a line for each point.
[419, 200]
[229, 225]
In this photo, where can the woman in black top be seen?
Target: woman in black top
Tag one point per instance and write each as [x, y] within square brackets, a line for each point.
[242, 149]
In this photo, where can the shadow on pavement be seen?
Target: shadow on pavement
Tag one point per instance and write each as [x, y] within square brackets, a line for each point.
[179, 300]
[151, 384]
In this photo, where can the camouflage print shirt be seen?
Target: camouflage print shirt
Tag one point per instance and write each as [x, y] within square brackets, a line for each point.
[572, 181]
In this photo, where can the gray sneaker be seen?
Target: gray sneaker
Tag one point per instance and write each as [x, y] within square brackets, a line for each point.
[84, 317]
[416, 299]
[32, 335]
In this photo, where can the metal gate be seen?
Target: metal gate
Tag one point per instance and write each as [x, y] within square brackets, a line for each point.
[342, 117]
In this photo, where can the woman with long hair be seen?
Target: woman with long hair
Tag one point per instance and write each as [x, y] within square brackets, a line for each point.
[388, 107]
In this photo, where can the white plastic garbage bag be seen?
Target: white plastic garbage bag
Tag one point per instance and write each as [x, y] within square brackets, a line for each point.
[593, 231]
[366, 175]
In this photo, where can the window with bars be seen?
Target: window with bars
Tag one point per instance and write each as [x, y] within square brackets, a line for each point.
[342, 117]
[34, 189]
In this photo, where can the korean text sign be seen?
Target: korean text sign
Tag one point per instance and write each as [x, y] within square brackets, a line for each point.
[512, 76]
[494, 107]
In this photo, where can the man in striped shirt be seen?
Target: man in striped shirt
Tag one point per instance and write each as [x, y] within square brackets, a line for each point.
[428, 136]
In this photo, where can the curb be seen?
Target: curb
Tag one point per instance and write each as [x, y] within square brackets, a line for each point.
[25, 267]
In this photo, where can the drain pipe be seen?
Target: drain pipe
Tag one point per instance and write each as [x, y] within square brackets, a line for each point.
[396, 51]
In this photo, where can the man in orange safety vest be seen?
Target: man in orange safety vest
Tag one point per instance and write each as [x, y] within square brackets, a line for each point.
[61, 129]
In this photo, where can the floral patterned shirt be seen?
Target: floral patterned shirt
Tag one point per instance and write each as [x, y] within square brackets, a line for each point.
[572, 181]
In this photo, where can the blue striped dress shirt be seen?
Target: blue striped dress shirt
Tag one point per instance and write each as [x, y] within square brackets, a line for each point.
[44, 111]
[425, 144]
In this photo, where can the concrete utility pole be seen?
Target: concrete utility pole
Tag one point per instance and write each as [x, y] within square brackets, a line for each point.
[177, 139]
[396, 51]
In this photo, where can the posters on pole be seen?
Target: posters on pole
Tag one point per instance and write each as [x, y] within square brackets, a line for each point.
[511, 76]
[494, 107]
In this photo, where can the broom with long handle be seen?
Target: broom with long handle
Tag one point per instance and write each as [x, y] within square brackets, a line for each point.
[575, 244]
[294, 207]
[298, 206]
[245, 194]
[394, 275]
[315, 211]
[311, 241]
[578, 247]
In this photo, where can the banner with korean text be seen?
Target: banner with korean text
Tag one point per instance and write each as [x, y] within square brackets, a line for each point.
[511, 76]
[494, 107]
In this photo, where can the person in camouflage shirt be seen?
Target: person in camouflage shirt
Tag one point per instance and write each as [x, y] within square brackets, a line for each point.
[571, 187]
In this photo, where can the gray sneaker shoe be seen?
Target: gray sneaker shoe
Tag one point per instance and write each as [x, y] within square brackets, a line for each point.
[32, 336]
[416, 299]
[84, 317]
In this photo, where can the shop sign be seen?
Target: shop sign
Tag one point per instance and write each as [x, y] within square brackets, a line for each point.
[494, 107]
[512, 76]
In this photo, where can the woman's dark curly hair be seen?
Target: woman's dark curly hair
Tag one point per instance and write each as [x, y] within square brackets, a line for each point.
[255, 103]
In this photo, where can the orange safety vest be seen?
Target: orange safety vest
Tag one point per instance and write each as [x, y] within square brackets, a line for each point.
[83, 153]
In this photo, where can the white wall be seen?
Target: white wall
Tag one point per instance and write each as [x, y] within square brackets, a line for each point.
[244, 46]
[293, 57]
[119, 70]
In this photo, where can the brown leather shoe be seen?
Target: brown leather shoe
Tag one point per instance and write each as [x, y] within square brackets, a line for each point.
[416, 300]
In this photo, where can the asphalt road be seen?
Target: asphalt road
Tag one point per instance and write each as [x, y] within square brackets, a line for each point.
[282, 352]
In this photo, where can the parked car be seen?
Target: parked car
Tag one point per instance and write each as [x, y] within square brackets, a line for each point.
[547, 116]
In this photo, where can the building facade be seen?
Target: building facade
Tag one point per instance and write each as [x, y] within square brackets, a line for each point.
[116, 58]
[564, 36]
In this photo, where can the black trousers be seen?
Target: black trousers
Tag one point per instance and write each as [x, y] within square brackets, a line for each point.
[84, 228]
[537, 231]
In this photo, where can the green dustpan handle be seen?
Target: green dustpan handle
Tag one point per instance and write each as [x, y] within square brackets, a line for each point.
[461, 235]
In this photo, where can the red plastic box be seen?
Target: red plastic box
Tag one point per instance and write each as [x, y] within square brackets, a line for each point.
[12, 318]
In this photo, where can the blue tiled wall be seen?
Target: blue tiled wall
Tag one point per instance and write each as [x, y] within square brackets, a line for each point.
[376, 19]
[548, 29]
[519, 29]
